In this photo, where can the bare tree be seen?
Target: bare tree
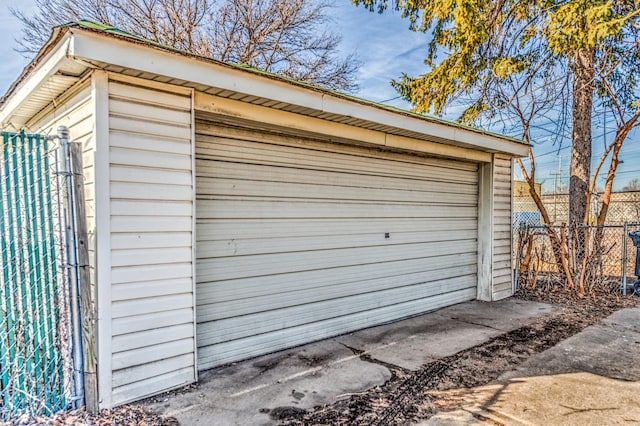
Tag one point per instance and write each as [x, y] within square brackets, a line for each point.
[280, 36]
[632, 185]
[288, 37]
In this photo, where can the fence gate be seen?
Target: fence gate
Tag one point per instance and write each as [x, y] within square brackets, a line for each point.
[36, 367]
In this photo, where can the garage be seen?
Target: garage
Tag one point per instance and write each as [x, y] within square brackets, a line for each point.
[300, 239]
[233, 213]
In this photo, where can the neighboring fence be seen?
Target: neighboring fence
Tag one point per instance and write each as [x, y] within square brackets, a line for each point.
[611, 261]
[624, 207]
[609, 256]
[37, 372]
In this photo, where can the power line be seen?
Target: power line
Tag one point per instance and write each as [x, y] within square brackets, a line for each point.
[389, 100]
[628, 171]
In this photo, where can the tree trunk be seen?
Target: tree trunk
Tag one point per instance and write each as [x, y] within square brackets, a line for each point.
[581, 135]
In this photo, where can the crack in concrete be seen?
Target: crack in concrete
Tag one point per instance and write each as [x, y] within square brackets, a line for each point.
[576, 410]
[480, 324]
[365, 356]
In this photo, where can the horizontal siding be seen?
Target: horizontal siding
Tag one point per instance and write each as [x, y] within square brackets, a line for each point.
[302, 239]
[151, 241]
[77, 114]
[151, 370]
[502, 256]
[164, 318]
[140, 381]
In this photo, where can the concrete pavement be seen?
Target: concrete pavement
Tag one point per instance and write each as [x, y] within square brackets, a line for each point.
[258, 391]
[592, 378]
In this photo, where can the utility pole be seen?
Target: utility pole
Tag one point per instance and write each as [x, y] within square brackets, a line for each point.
[557, 178]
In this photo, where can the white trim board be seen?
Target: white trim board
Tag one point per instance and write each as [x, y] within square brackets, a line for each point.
[334, 131]
[100, 95]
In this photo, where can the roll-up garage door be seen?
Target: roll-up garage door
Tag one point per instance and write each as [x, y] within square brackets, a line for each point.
[298, 240]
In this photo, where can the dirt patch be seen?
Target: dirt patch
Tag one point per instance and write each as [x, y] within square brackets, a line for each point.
[411, 396]
[287, 413]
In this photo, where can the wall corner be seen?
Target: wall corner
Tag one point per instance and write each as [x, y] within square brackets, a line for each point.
[100, 97]
[485, 232]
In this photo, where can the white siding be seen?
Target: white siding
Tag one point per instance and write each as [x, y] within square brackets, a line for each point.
[151, 191]
[502, 265]
[77, 114]
[291, 242]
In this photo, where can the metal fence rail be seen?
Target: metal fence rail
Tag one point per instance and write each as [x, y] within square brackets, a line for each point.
[34, 310]
[624, 207]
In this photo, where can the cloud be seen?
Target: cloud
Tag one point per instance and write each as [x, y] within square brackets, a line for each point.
[385, 45]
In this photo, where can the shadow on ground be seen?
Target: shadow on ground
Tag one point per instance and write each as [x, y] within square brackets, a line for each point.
[592, 378]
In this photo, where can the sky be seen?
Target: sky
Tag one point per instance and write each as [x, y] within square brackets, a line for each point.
[386, 48]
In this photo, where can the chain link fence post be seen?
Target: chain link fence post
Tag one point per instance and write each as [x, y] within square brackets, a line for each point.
[70, 229]
[625, 233]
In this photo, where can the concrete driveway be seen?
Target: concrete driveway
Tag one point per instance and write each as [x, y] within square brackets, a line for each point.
[592, 378]
[258, 391]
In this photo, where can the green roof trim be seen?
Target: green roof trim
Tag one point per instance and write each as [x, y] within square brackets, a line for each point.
[113, 31]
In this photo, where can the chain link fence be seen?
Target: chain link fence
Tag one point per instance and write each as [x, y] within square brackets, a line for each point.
[36, 364]
[592, 256]
[624, 207]
[595, 256]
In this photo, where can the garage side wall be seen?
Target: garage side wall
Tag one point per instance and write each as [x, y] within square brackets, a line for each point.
[502, 266]
[151, 247]
[77, 113]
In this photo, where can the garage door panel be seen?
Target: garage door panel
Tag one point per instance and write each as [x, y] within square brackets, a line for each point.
[212, 355]
[240, 289]
[264, 154]
[297, 147]
[210, 187]
[260, 173]
[233, 136]
[267, 321]
[231, 229]
[253, 246]
[261, 209]
[291, 243]
[281, 263]
[252, 304]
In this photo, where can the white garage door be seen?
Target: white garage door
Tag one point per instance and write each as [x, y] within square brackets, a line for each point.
[300, 240]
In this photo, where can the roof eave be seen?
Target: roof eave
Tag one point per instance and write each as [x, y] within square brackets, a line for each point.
[73, 43]
[48, 62]
[94, 46]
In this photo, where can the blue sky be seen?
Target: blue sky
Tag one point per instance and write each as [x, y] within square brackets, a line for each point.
[387, 48]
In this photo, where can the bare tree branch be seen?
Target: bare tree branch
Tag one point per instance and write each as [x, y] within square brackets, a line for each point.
[288, 37]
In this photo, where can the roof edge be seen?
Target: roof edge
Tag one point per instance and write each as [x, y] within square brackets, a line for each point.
[289, 91]
[56, 34]
[117, 33]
